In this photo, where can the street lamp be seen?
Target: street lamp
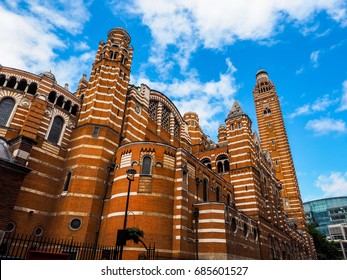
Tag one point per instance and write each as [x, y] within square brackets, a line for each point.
[131, 177]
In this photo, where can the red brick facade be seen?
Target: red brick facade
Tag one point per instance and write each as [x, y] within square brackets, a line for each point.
[191, 197]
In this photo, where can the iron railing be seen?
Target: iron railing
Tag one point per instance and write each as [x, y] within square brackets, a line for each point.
[22, 247]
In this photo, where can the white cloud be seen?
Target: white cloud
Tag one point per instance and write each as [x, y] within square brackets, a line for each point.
[314, 58]
[319, 105]
[335, 184]
[343, 104]
[30, 41]
[214, 24]
[326, 125]
[303, 110]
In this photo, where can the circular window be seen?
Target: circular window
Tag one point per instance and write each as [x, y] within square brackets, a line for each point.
[11, 226]
[233, 225]
[75, 224]
[38, 231]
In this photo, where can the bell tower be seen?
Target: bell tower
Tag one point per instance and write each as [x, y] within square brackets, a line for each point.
[90, 157]
[105, 96]
[273, 137]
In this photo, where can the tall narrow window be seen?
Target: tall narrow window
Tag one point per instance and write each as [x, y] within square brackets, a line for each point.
[6, 108]
[96, 131]
[185, 175]
[56, 130]
[218, 194]
[67, 181]
[205, 190]
[229, 199]
[146, 165]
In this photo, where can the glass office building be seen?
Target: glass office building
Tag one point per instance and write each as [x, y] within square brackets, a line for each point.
[326, 211]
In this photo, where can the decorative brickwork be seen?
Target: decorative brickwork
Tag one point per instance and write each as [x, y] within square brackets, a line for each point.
[192, 197]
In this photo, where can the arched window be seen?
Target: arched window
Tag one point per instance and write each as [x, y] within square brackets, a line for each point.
[6, 108]
[205, 190]
[207, 162]
[229, 199]
[185, 175]
[52, 96]
[56, 130]
[2, 80]
[32, 88]
[67, 105]
[60, 101]
[74, 109]
[11, 82]
[22, 85]
[146, 165]
[223, 164]
[267, 111]
[218, 193]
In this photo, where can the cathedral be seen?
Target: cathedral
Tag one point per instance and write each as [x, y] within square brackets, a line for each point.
[113, 156]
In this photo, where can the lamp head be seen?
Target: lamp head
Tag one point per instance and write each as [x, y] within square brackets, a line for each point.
[131, 174]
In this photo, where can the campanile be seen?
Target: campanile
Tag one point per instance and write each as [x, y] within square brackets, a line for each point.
[273, 137]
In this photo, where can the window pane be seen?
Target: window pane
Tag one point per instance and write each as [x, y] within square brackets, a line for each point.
[146, 165]
[6, 107]
[54, 134]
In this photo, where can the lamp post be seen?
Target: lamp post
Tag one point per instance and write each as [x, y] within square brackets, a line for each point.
[131, 177]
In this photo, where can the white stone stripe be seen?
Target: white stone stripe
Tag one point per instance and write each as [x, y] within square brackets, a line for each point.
[44, 213]
[212, 240]
[139, 213]
[219, 221]
[92, 147]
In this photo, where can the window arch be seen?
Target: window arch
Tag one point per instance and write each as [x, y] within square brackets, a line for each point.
[32, 88]
[67, 105]
[267, 111]
[52, 96]
[223, 164]
[2, 80]
[6, 108]
[229, 199]
[22, 85]
[11, 82]
[218, 193]
[60, 101]
[56, 130]
[207, 162]
[74, 109]
[146, 165]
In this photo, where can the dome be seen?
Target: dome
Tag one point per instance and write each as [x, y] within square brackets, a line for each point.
[49, 75]
[261, 73]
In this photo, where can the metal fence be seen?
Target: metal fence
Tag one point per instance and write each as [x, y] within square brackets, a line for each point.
[22, 247]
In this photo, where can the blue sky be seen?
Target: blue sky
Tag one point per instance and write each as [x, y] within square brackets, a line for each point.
[203, 55]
